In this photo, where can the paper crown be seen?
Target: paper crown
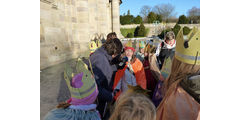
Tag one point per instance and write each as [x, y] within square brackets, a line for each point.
[188, 47]
[88, 87]
[128, 44]
[92, 46]
[150, 47]
[99, 43]
[166, 68]
[141, 44]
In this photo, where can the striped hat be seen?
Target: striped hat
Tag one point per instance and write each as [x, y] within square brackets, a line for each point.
[81, 84]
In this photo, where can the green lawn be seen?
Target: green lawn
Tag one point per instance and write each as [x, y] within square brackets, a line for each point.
[125, 31]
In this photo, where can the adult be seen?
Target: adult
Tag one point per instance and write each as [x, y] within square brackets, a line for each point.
[103, 70]
[111, 36]
[166, 48]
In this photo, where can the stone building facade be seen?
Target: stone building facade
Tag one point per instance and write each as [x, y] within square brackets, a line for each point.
[67, 26]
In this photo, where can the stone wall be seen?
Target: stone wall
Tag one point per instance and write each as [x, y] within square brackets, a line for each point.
[158, 28]
[67, 26]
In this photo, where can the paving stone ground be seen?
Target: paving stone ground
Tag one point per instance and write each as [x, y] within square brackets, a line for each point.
[53, 87]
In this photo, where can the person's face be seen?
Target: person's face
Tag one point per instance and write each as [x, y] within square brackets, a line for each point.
[145, 54]
[142, 50]
[129, 53]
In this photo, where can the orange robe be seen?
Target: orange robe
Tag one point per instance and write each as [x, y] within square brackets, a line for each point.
[139, 74]
[177, 104]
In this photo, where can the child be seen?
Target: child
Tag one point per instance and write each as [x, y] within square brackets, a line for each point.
[140, 53]
[83, 91]
[181, 99]
[133, 106]
[151, 80]
[134, 66]
[166, 70]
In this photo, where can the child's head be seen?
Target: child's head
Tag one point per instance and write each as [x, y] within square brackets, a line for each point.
[129, 50]
[129, 53]
[133, 106]
[170, 36]
[141, 50]
[150, 48]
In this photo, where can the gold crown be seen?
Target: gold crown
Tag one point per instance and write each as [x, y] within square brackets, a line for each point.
[99, 43]
[92, 46]
[129, 43]
[188, 47]
[141, 44]
[150, 47]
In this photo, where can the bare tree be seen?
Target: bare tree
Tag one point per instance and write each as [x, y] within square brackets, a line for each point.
[194, 12]
[166, 10]
[145, 10]
[194, 15]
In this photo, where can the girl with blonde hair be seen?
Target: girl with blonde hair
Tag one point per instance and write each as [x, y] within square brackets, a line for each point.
[133, 106]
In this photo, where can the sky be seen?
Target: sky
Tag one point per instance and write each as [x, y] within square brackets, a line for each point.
[181, 6]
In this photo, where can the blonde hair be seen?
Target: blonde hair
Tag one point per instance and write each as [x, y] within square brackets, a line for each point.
[133, 106]
[180, 71]
[149, 48]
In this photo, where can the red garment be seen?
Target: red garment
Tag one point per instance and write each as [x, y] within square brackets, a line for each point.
[151, 82]
[139, 74]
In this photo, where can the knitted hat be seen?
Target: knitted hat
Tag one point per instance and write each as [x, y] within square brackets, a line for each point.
[83, 87]
[128, 45]
[188, 48]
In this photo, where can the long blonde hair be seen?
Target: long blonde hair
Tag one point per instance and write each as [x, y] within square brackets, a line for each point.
[180, 71]
[133, 106]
